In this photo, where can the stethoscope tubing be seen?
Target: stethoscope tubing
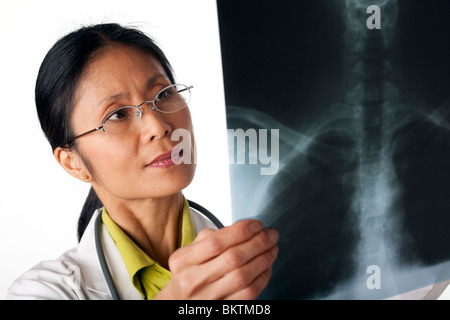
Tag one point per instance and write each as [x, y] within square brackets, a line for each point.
[101, 255]
[102, 259]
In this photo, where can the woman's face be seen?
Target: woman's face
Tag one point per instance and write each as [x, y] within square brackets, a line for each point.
[122, 166]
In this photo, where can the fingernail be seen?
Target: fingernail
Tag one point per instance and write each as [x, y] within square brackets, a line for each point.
[273, 252]
[273, 235]
[255, 226]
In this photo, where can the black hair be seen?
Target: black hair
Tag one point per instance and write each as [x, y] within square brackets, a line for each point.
[60, 73]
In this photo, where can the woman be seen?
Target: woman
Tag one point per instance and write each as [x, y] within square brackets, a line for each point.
[108, 103]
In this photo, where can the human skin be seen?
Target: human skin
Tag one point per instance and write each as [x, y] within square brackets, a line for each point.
[144, 199]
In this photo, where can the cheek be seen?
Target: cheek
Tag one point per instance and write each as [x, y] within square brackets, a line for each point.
[184, 123]
[109, 161]
[183, 119]
[117, 170]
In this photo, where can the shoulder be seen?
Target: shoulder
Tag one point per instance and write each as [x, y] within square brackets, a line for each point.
[48, 280]
[72, 276]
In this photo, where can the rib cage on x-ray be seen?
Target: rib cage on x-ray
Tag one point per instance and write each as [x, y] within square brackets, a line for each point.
[366, 184]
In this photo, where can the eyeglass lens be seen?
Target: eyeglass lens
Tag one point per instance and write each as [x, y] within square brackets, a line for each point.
[124, 119]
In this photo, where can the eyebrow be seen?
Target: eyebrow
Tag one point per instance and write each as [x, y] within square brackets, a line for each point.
[118, 96]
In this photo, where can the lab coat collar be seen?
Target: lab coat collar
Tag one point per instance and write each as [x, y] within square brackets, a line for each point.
[88, 260]
[91, 268]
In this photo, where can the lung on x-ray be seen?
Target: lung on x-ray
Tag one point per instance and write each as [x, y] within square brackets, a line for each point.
[358, 98]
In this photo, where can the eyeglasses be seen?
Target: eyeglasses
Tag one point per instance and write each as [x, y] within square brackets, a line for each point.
[123, 120]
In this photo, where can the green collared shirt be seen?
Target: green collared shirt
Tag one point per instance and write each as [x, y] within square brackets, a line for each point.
[147, 275]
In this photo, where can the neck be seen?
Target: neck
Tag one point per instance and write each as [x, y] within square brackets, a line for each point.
[153, 224]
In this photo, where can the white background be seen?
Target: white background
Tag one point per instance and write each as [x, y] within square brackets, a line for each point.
[40, 203]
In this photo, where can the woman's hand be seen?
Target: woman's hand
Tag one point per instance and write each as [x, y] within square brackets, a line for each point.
[231, 263]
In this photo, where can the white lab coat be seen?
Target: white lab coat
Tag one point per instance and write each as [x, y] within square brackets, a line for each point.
[77, 274]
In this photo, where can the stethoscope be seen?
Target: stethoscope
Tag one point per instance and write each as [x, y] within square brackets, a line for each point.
[101, 254]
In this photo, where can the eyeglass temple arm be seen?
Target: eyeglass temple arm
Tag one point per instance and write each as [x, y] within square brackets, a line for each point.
[83, 134]
[187, 88]
[98, 128]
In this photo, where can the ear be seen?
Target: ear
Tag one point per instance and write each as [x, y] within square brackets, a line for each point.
[71, 162]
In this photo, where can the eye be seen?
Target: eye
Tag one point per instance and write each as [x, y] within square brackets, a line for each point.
[165, 94]
[121, 114]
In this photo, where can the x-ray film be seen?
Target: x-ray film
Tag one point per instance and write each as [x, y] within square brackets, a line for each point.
[339, 137]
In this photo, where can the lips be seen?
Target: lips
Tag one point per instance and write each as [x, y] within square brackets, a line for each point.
[166, 159]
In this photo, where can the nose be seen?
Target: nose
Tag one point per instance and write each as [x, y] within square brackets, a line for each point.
[153, 124]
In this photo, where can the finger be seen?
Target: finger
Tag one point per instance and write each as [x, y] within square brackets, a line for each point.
[233, 258]
[243, 278]
[235, 233]
[213, 243]
[254, 289]
[238, 255]
[203, 234]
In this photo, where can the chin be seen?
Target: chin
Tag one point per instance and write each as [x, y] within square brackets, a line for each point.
[174, 183]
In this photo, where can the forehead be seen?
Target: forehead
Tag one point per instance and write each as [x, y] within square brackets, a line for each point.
[118, 69]
[118, 57]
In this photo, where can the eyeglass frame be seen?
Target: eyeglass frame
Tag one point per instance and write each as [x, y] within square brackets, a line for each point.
[141, 111]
